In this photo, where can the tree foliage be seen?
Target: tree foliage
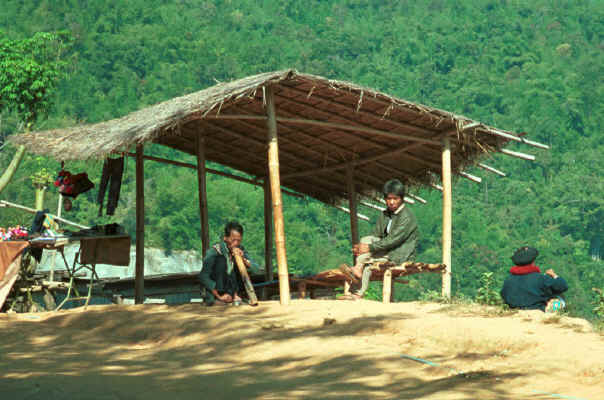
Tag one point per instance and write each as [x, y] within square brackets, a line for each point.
[531, 67]
[30, 69]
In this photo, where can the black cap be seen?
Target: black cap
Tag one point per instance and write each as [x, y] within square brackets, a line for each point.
[525, 255]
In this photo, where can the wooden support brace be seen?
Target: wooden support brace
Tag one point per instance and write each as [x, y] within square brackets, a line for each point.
[387, 287]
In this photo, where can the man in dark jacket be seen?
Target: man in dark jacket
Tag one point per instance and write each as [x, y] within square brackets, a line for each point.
[527, 288]
[394, 238]
[220, 279]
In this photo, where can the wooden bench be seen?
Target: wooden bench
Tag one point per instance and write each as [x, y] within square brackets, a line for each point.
[387, 272]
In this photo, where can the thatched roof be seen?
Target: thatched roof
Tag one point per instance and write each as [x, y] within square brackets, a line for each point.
[323, 126]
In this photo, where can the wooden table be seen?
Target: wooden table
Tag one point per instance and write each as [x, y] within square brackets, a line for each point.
[93, 250]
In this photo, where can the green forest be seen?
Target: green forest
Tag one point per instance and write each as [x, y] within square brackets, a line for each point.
[534, 67]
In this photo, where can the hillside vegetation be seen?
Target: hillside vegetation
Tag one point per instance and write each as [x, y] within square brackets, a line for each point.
[533, 67]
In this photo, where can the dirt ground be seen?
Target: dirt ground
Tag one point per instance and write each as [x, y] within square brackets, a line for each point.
[311, 349]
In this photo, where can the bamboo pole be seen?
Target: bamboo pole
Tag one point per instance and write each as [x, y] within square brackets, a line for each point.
[346, 210]
[371, 205]
[473, 178]
[4, 203]
[305, 147]
[139, 278]
[491, 169]
[447, 216]
[515, 138]
[356, 128]
[203, 197]
[275, 183]
[416, 197]
[51, 276]
[212, 171]
[352, 205]
[247, 283]
[268, 231]
[517, 154]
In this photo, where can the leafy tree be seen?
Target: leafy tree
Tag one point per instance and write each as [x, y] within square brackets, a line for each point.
[29, 71]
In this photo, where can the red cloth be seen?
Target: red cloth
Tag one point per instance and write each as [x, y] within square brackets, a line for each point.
[10, 262]
[524, 269]
[9, 250]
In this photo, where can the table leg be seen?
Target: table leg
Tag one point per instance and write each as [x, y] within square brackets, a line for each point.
[68, 294]
[92, 274]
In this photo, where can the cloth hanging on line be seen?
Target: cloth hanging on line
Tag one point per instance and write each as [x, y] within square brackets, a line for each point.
[72, 185]
[113, 169]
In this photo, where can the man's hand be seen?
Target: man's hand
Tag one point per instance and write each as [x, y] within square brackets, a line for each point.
[551, 273]
[360, 248]
[225, 297]
[237, 252]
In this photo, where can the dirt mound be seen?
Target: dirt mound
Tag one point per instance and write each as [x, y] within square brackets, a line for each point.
[310, 349]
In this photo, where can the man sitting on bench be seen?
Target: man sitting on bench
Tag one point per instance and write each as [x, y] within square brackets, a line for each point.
[394, 238]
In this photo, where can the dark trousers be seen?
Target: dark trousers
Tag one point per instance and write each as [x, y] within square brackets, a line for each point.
[112, 176]
[224, 284]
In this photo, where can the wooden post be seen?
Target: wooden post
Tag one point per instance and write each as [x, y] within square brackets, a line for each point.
[268, 230]
[273, 167]
[302, 290]
[203, 198]
[387, 286]
[447, 216]
[139, 279]
[352, 205]
[51, 276]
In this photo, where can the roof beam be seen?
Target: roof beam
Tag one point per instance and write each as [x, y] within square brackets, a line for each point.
[325, 183]
[491, 169]
[347, 210]
[517, 154]
[212, 171]
[355, 162]
[390, 105]
[318, 109]
[351, 153]
[301, 121]
[283, 138]
[416, 197]
[471, 177]
[325, 186]
[515, 138]
[333, 102]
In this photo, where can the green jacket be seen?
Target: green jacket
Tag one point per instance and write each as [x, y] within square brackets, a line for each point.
[400, 243]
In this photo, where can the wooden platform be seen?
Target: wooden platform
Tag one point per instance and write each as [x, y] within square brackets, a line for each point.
[387, 272]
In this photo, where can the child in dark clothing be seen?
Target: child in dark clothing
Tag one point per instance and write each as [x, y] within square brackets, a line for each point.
[527, 288]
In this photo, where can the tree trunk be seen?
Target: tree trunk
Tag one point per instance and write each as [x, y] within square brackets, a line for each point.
[12, 167]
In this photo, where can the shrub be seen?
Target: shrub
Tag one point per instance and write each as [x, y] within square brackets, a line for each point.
[487, 294]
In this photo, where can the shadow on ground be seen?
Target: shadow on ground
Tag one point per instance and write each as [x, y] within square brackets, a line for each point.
[187, 352]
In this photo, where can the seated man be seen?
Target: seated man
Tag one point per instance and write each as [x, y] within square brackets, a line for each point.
[219, 275]
[394, 238]
[527, 288]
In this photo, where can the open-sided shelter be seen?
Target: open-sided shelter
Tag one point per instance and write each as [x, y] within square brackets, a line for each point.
[330, 140]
